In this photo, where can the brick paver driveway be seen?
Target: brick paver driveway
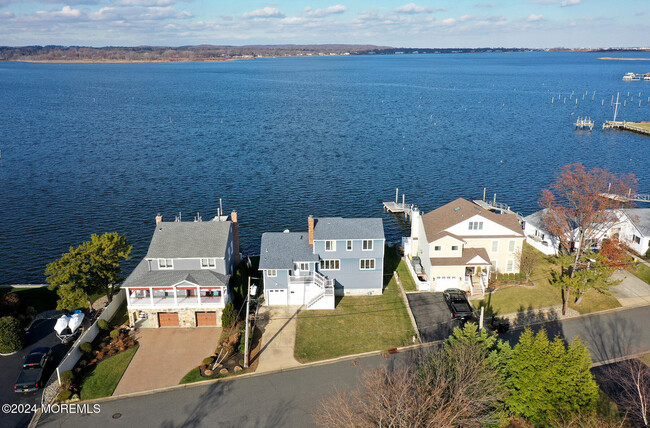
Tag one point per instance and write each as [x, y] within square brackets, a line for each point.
[165, 356]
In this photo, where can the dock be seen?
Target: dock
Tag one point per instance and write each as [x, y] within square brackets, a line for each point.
[584, 123]
[611, 124]
[396, 207]
[493, 205]
[637, 197]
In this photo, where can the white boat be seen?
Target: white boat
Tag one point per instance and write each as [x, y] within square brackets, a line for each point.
[67, 326]
[631, 76]
[61, 324]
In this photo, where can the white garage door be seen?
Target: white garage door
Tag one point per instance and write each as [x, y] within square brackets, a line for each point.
[277, 297]
[445, 282]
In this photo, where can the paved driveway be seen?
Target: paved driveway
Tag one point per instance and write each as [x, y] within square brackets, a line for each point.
[431, 315]
[165, 356]
[278, 338]
[632, 291]
[41, 334]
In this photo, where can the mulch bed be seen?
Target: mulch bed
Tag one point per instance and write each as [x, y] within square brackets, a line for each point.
[235, 361]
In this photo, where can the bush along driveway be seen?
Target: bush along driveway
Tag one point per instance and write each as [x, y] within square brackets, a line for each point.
[358, 324]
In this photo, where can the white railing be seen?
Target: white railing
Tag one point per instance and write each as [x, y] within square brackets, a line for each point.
[482, 281]
[468, 281]
[422, 285]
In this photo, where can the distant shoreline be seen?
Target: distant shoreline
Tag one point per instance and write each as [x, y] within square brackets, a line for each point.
[624, 59]
[123, 61]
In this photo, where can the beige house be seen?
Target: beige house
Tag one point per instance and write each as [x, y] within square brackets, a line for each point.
[459, 244]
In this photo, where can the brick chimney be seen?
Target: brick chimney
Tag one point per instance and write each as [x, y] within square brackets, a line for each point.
[235, 235]
[310, 222]
[158, 218]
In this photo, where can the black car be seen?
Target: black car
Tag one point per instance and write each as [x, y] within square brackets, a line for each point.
[458, 304]
[31, 376]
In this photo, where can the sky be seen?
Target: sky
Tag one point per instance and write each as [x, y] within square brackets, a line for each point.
[423, 23]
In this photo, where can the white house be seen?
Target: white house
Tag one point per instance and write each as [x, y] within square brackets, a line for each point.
[459, 244]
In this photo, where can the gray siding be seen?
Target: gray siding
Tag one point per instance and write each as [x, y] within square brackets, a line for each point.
[195, 264]
[280, 281]
[357, 252]
[350, 276]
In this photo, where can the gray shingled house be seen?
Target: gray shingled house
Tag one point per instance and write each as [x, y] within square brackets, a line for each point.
[337, 256]
[183, 281]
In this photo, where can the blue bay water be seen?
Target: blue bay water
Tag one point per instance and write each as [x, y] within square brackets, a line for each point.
[91, 148]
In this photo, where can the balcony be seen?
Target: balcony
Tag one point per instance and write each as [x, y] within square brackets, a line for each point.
[178, 302]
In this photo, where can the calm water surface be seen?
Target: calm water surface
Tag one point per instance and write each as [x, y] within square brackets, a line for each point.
[90, 148]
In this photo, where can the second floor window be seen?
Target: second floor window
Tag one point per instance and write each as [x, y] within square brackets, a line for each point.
[208, 263]
[511, 246]
[330, 245]
[165, 264]
[349, 245]
[495, 246]
[271, 273]
[475, 225]
[301, 266]
[367, 245]
[330, 264]
[454, 248]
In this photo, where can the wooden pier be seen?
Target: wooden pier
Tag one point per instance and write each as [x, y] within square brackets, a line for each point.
[637, 197]
[396, 207]
[584, 123]
[610, 124]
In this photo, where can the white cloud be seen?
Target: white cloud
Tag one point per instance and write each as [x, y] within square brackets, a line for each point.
[267, 12]
[640, 13]
[6, 15]
[143, 3]
[412, 9]
[570, 3]
[534, 18]
[319, 13]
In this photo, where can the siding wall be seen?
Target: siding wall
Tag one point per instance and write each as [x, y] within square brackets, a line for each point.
[350, 279]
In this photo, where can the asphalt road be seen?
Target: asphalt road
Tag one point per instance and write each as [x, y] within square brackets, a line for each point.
[290, 398]
[432, 315]
[41, 334]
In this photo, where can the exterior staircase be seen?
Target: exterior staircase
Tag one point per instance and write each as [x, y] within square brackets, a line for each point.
[476, 285]
[326, 287]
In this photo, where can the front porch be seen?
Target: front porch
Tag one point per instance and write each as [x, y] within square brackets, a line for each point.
[173, 297]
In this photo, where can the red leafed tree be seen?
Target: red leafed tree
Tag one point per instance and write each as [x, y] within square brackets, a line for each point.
[577, 211]
[615, 255]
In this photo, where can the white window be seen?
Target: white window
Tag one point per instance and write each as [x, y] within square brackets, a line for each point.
[475, 225]
[511, 246]
[330, 245]
[272, 273]
[165, 264]
[437, 248]
[349, 245]
[510, 265]
[495, 246]
[367, 264]
[636, 239]
[332, 264]
[208, 263]
[454, 248]
[367, 245]
[301, 266]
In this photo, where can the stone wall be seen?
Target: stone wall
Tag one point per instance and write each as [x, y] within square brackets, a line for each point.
[186, 317]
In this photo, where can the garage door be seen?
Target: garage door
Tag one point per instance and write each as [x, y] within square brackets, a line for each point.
[445, 282]
[168, 319]
[277, 297]
[206, 319]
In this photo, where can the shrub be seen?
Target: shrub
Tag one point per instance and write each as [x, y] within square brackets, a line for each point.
[511, 276]
[12, 335]
[86, 347]
[114, 334]
[103, 325]
[202, 367]
[242, 343]
[228, 316]
[10, 303]
[67, 377]
[647, 253]
[208, 361]
[64, 395]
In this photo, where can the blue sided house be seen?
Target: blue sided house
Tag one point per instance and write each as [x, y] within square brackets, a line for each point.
[336, 256]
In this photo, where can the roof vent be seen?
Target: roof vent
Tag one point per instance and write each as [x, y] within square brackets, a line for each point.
[457, 209]
[286, 230]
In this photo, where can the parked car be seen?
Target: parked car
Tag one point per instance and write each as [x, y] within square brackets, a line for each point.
[31, 376]
[458, 304]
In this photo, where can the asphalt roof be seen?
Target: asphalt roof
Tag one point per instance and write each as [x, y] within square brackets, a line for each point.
[641, 219]
[461, 209]
[348, 228]
[143, 277]
[464, 259]
[189, 239]
[279, 250]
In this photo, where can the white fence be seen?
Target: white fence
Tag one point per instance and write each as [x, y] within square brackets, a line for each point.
[74, 354]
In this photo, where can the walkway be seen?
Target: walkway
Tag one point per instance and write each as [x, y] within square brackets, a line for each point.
[632, 291]
[166, 355]
[278, 338]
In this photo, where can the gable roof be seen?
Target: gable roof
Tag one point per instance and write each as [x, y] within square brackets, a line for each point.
[143, 277]
[279, 250]
[641, 219]
[467, 258]
[348, 228]
[189, 239]
[460, 210]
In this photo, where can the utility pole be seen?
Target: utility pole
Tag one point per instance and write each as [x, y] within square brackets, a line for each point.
[248, 306]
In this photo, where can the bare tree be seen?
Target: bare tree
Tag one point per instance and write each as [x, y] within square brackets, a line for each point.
[529, 258]
[631, 381]
[455, 387]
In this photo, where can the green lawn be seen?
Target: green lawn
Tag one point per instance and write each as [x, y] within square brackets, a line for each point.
[358, 324]
[193, 375]
[642, 271]
[103, 380]
[40, 298]
[405, 277]
[121, 316]
[516, 298]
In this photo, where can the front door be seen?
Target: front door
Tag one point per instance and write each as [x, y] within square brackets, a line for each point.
[296, 294]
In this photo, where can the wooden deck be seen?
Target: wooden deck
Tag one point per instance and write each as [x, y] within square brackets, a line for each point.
[395, 207]
[610, 124]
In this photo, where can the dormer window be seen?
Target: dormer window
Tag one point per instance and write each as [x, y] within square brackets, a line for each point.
[475, 225]
[208, 263]
[165, 264]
